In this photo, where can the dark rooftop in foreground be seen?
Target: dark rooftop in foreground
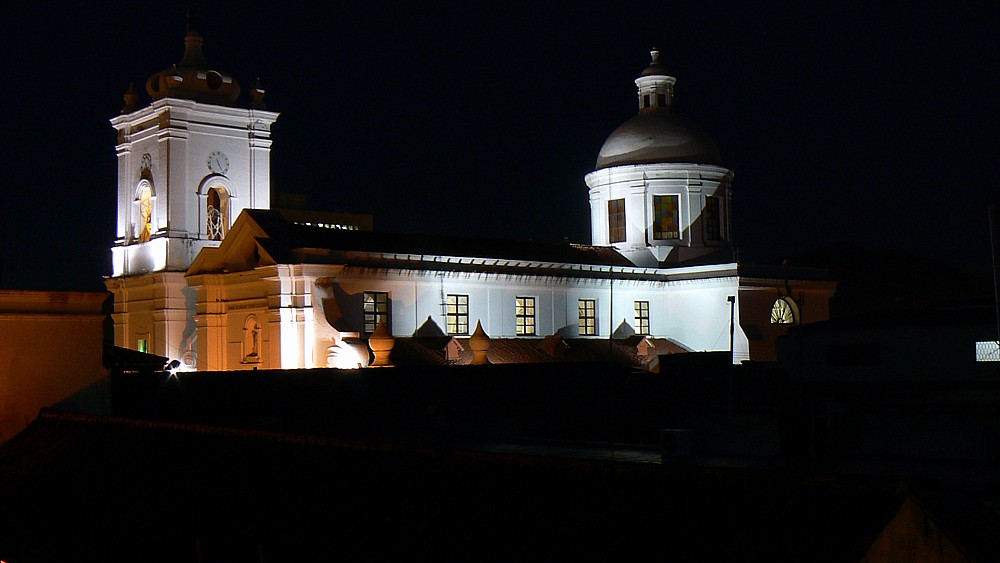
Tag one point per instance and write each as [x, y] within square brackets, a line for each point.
[104, 489]
[547, 460]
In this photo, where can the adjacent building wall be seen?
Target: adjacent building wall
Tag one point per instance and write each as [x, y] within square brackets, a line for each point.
[51, 348]
[810, 302]
[157, 308]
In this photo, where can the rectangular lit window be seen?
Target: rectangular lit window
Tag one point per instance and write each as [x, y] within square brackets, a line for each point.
[142, 345]
[524, 315]
[666, 217]
[457, 314]
[616, 220]
[642, 317]
[376, 310]
[588, 317]
[988, 351]
[711, 218]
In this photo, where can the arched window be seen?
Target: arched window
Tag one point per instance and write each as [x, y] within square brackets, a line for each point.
[144, 227]
[251, 341]
[783, 312]
[217, 213]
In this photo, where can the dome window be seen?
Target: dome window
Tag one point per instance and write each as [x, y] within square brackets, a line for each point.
[616, 220]
[712, 219]
[666, 213]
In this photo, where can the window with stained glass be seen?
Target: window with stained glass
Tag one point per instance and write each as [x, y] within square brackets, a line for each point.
[666, 217]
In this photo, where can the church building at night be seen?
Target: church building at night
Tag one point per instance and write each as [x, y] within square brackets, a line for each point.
[208, 273]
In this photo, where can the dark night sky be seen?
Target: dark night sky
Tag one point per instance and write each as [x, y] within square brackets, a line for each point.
[852, 123]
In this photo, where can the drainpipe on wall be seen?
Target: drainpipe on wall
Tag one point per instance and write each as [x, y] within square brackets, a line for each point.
[995, 247]
[611, 316]
[732, 352]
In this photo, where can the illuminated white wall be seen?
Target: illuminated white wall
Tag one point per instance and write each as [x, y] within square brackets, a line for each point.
[159, 308]
[316, 318]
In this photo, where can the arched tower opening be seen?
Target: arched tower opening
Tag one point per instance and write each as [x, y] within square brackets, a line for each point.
[217, 213]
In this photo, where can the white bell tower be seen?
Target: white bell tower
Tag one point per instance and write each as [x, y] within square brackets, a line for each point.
[188, 163]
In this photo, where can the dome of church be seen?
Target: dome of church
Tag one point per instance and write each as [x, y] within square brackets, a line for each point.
[657, 134]
[193, 78]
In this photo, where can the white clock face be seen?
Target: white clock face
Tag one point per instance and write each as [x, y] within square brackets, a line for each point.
[218, 162]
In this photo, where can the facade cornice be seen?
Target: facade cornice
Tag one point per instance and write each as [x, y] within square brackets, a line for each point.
[659, 171]
[456, 264]
[11, 296]
[193, 111]
[468, 267]
[539, 279]
[541, 268]
[771, 283]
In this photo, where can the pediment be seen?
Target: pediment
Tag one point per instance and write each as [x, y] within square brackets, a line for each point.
[241, 250]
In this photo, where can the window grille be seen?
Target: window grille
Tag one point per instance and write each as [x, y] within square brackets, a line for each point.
[988, 351]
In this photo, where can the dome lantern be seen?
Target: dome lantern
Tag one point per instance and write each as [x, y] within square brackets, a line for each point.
[193, 78]
[656, 88]
[657, 134]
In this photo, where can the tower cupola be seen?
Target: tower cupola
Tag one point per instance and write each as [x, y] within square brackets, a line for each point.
[193, 78]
